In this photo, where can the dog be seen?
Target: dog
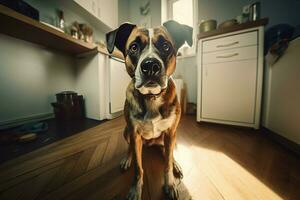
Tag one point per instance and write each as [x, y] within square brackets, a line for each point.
[152, 110]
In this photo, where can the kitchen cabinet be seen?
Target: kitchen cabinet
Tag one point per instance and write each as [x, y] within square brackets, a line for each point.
[230, 70]
[228, 91]
[105, 11]
[281, 111]
[119, 80]
[89, 84]
[89, 5]
[103, 82]
[108, 12]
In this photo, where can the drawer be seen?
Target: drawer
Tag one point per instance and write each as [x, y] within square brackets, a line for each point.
[229, 55]
[228, 42]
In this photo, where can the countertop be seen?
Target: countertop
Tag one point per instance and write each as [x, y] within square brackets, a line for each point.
[246, 25]
[116, 53]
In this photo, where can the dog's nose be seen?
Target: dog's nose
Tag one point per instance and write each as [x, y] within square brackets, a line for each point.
[151, 67]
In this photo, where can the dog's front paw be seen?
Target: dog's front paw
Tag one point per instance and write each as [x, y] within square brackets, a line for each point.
[171, 192]
[177, 170]
[125, 163]
[135, 193]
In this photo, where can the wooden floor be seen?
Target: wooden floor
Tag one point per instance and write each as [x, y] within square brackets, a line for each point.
[219, 162]
[56, 131]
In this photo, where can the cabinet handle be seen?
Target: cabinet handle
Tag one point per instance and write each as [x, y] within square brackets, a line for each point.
[227, 45]
[228, 56]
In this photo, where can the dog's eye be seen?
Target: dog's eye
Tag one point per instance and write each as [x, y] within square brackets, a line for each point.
[134, 48]
[166, 47]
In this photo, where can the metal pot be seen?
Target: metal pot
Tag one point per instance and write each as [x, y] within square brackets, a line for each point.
[207, 25]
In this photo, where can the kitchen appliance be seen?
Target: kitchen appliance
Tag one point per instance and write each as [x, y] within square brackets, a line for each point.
[69, 106]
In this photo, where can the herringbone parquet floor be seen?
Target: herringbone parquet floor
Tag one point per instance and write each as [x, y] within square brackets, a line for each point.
[219, 162]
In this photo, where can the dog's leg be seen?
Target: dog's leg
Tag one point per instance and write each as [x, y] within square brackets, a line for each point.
[176, 167]
[135, 192]
[126, 161]
[170, 187]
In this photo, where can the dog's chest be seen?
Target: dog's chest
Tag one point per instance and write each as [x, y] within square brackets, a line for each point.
[153, 124]
[153, 128]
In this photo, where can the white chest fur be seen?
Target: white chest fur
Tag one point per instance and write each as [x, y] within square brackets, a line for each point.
[153, 128]
[153, 124]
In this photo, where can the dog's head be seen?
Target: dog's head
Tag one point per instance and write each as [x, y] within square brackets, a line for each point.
[150, 54]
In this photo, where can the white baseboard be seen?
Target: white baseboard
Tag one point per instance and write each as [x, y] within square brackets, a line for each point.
[22, 120]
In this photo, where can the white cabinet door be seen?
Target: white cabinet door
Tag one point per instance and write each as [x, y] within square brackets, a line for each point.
[87, 84]
[105, 10]
[90, 5]
[83, 3]
[94, 7]
[229, 91]
[86, 4]
[108, 12]
[119, 80]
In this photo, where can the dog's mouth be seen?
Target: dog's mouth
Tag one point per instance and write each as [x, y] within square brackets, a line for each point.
[148, 83]
[151, 87]
[151, 84]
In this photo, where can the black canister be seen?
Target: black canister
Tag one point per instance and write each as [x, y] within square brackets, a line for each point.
[69, 106]
[255, 11]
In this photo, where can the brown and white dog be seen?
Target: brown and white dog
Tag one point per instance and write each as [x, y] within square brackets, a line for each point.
[152, 110]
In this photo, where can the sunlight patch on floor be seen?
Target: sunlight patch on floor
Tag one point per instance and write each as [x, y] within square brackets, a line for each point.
[211, 174]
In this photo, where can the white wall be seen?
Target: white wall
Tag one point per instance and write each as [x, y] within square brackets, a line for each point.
[29, 77]
[123, 9]
[187, 70]
[155, 11]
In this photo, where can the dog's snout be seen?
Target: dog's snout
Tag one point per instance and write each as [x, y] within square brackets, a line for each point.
[151, 67]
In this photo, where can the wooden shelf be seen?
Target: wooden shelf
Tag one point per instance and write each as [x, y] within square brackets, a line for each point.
[260, 22]
[22, 27]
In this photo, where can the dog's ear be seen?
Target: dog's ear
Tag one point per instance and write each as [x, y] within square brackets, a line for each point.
[180, 33]
[119, 37]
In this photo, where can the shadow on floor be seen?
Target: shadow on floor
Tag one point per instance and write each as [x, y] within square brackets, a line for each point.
[56, 131]
[114, 184]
